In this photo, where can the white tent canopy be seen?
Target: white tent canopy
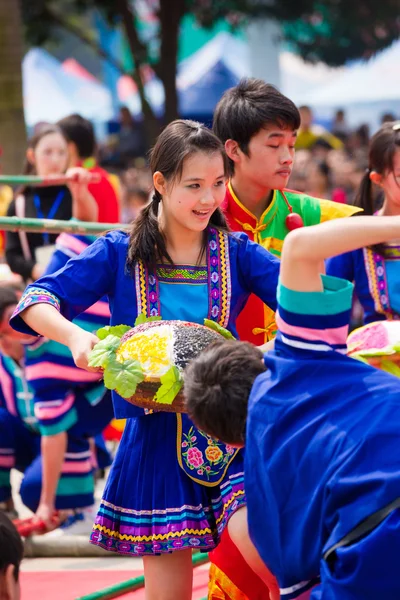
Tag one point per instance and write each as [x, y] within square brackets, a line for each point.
[51, 94]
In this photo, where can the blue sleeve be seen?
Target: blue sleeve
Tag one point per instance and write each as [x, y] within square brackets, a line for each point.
[341, 266]
[258, 270]
[76, 286]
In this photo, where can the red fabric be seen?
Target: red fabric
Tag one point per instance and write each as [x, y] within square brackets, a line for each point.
[69, 584]
[106, 197]
[253, 313]
[228, 558]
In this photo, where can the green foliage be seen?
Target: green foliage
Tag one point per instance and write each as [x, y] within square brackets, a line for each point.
[117, 330]
[333, 31]
[104, 351]
[221, 330]
[123, 377]
[143, 319]
[171, 384]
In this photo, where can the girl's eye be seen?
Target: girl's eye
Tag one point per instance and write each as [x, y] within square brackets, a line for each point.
[269, 146]
[219, 183]
[194, 186]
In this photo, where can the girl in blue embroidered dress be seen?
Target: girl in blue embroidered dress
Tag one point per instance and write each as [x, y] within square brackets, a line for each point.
[171, 486]
[376, 269]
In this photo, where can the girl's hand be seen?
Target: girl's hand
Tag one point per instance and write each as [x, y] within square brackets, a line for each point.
[81, 345]
[79, 180]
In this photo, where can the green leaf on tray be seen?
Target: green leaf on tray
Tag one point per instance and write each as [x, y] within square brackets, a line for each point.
[390, 367]
[117, 330]
[171, 384]
[104, 351]
[123, 377]
[143, 319]
[377, 351]
[221, 330]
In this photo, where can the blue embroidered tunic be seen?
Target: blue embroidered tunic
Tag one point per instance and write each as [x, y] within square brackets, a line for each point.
[322, 455]
[376, 280]
[160, 506]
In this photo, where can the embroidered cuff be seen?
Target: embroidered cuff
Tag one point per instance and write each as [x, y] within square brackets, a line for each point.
[33, 295]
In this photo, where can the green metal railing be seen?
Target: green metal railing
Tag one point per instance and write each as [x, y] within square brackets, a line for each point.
[131, 585]
[54, 226]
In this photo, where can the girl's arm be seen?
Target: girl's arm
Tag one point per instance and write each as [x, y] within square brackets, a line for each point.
[305, 248]
[47, 321]
[84, 206]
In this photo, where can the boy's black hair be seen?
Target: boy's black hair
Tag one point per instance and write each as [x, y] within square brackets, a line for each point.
[11, 547]
[79, 131]
[8, 297]
[217, 385]
[249, 107]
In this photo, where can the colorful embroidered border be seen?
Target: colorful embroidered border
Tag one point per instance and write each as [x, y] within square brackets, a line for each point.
[36, 295]
[226, 280]
[219, 281]
[182, 274]
[377, 282]
[214, 276]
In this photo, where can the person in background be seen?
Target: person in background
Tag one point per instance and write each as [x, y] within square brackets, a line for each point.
[130, 137]
[375, 270]
[309, 132]
[340, 127]
[46, 439]
[47, 155]
[79, 133]
[11, 554]
[134, 200]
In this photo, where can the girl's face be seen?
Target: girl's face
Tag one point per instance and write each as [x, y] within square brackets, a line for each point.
[390, 182]
[50, 156]
[191, 200]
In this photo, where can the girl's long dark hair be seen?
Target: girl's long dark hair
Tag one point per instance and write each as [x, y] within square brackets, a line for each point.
[179, 140]
[382, 150]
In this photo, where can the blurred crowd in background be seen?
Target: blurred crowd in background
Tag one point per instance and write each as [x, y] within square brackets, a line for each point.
[329, 163]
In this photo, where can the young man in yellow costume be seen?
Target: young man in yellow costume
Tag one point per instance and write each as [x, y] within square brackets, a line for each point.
[258, 126]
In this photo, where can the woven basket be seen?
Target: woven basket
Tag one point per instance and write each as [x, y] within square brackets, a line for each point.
[143, 398]
[190, 339]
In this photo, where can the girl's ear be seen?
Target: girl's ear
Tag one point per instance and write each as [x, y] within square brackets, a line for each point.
[30, 156]
[233, 151]
[375, 177]
[159, 183]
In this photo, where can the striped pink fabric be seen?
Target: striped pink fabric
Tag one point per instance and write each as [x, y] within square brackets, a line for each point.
[331, 336]
[71, 243]
[44, 411]
[54, 371]
[84, 466]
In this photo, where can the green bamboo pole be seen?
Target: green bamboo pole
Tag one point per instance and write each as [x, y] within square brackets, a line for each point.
[34, 180]
[120, 589]
[54, 226]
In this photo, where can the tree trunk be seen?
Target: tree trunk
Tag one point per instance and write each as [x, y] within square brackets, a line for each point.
[139, 55]
[12, 123]
[170, 14]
